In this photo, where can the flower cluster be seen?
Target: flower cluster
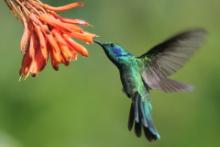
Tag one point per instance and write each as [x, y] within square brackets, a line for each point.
[48, 35]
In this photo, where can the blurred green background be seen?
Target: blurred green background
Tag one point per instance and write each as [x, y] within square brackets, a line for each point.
[83, 105]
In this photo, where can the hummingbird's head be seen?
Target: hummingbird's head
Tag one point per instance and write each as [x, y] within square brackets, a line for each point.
[113, 51]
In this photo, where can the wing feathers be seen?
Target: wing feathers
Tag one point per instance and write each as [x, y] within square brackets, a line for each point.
[166, 58]
[173, 86]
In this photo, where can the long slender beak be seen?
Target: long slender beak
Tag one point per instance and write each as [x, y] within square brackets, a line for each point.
[99, 43]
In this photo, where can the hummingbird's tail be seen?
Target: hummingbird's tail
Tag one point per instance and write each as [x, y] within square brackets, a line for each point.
[140, 117]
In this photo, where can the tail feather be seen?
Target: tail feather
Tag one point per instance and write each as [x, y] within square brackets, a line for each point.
[138, 129]
[131, 117]
[140, 117]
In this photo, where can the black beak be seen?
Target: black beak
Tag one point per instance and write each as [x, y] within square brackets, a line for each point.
[99, 43]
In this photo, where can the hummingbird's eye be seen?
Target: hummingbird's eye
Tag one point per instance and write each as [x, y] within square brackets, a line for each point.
[112, 45]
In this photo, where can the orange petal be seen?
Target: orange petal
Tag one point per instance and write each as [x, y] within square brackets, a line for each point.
[71, 21]
[56, 55]
[63, 8]
[54, 62]
[67, 54]
[42, 41]
[26, 62]
[75, 21]
[87, 37]
[49, 19]
[28, 58]
[25, 38]
[40, 61]
[34, 46]
[78, 47]
[31, 46]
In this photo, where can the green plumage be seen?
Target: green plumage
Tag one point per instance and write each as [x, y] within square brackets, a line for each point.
[151, 71]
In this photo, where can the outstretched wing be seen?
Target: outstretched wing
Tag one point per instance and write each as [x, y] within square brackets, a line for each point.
[166, 58]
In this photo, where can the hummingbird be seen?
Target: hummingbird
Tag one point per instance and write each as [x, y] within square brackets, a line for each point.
[151, 70]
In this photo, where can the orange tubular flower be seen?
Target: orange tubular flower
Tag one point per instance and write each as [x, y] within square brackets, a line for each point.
[47, 34]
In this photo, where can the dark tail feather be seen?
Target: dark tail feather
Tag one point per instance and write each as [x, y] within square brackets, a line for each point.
[131, 117]
[140, 117]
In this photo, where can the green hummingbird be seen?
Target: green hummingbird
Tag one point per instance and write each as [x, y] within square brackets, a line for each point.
[150, 71]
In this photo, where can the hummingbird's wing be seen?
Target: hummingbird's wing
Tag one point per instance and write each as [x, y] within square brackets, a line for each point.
[166, 58]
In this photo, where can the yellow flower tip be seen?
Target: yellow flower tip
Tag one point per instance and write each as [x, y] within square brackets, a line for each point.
[97, 36]
[90, 25]
[20, 79]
